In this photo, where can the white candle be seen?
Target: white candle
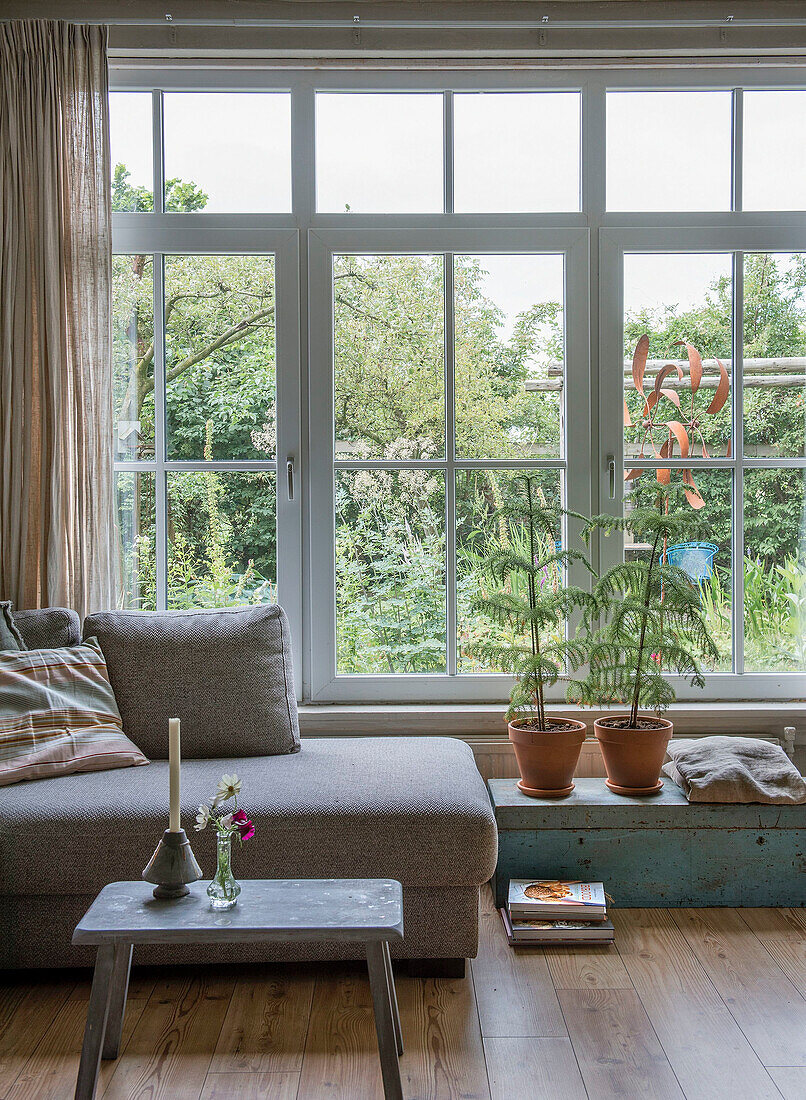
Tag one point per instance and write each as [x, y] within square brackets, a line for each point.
[174, 760]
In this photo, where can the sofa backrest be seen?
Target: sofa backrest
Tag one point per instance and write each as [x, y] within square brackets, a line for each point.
[226, 674]
[48, 627]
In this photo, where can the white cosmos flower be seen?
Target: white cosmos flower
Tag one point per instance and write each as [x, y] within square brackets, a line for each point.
[202, 818]
[225, 822]
[228, 787]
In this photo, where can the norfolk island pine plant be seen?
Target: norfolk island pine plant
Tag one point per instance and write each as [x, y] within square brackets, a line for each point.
[652, 624]
[535, 609]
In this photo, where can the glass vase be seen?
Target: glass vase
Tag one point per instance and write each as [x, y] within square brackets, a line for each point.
[223, 891]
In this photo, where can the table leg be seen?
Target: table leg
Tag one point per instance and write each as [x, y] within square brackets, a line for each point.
[390, 978]
[121, 966]
[97, 1014]
[382, 1004]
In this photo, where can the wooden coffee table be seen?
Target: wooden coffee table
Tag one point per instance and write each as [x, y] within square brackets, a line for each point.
[368, 911]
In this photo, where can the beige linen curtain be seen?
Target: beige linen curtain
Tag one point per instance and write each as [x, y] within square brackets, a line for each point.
[57, 542]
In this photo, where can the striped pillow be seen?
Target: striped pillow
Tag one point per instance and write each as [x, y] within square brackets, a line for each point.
[58, 715]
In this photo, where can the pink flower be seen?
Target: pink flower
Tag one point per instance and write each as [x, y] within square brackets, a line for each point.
[243, 825]
[656, 658]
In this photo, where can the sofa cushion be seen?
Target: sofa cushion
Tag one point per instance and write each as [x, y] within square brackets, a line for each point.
[410, 808]
[48, 627]
[10, 637]
[226, 674]
[58, 715]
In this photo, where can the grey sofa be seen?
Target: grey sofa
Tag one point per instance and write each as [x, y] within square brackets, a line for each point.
[410, 808]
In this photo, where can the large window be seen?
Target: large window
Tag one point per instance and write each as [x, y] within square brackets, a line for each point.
[457, 234]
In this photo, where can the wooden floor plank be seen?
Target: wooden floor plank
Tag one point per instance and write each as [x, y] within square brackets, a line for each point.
[50, 1073]
[763, 1001]
[443, 1055]
[587, 967]
[797, 916]
[791, 1081]
[674, 1011]
[29, 1010]
[341, 1050]
[523, 1069]
[251, 1086]
[617, 1050]
[784, 937]
[514, 991]
[141, 987]
[171, 1048]
[706, 1048]
[266, 1022]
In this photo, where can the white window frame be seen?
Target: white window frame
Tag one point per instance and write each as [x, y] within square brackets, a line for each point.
[574, 461]
[167, 240]
[303, 528]
[613, 245]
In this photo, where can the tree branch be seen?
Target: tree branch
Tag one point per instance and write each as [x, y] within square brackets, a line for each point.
[230, 335]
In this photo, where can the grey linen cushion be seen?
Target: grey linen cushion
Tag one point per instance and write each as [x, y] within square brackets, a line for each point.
[226, 674]
[734, 769]
[48, 627]
[10, 638]
[410, 808]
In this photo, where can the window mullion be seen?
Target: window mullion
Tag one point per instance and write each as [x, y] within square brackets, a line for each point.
[738, 470]
[737, 151]
[160, 454]
[158, 146]
[450, 471]
[447, 151]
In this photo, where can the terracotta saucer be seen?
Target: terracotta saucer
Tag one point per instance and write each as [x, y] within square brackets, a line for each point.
[535, 792]
[637, 791]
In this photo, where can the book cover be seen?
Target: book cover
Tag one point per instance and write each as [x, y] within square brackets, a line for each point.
[547, 899]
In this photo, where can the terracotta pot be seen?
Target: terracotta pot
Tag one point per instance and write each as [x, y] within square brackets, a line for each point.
[547, 759]
[633, 758]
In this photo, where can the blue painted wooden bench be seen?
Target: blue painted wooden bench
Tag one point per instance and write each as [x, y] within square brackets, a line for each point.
[661, 851]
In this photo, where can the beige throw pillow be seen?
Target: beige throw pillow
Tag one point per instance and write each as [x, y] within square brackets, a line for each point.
[734, 769]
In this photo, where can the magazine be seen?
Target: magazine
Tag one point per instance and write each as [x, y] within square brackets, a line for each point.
[537, 932]
[549, 899]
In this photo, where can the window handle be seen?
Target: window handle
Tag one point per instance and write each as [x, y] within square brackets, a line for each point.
[611, 475]
[289, 474]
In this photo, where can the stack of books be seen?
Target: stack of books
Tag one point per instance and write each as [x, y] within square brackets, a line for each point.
[546, 911]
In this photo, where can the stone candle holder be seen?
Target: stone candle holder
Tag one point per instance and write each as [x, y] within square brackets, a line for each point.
[172, 866]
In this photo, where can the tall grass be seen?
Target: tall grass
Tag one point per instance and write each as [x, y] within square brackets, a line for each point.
[774, 615]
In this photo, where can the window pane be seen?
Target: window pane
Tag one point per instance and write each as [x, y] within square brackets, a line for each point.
[668, 150]
[219, 357]
[137, 538]
[222, 545]
[774, 570]
[681, 296]
[390, 571]
[774, 161]
[478, 534]
[133, 355]
[131, 149]
[509, 356]
[706, 556]
[388, 356]
[774, 368]
[378, 153]
[227, 151]
[516, 151]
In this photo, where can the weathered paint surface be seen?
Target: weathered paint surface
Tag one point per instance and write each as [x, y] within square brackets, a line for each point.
[660, 851]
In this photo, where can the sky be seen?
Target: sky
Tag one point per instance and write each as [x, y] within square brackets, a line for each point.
[512, 151]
